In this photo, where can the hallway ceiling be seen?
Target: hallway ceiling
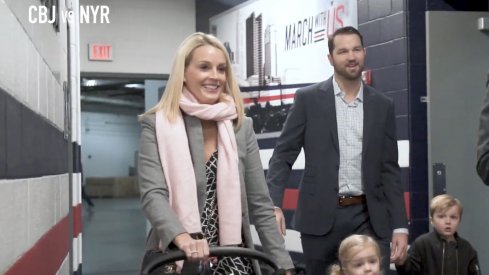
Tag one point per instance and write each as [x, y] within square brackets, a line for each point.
[112, 95]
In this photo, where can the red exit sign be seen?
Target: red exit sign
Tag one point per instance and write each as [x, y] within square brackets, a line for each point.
[99, 52]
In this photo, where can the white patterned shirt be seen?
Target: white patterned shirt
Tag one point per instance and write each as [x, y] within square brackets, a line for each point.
[349, 118]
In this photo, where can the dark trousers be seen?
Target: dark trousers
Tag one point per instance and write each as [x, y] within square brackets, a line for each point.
[320, 252]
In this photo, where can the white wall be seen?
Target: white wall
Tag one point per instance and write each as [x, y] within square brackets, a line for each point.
[33, 60]
[144, 34]
[109, 144]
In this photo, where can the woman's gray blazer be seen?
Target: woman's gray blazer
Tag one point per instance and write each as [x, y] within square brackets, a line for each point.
[257, 206]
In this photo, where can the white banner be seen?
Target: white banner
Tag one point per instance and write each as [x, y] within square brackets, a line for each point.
[274, 42]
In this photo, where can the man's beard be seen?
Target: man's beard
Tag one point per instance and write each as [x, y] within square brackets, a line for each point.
[343, 72]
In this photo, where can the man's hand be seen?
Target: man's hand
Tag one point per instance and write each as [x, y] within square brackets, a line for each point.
[399, 248]
[279, 217]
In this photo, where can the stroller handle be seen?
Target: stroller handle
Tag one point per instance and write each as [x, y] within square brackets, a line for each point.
[221, 251]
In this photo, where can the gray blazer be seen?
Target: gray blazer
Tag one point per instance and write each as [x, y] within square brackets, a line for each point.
[312, 125]
[257, 206]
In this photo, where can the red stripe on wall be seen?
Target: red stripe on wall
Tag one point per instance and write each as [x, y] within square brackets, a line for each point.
[77, 220]
[407, 203]
[47, 254]
[269, 98]
[290, 199]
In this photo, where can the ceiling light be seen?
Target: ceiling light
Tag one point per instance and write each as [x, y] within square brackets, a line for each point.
[134, 86]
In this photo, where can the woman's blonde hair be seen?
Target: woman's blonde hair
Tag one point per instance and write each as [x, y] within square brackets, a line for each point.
[351, 246]
[169, 102]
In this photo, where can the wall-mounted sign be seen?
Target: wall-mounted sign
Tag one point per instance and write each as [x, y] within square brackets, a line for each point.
[99, 52]
[367, 77]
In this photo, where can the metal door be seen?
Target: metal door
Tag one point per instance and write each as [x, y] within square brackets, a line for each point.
[457, 65]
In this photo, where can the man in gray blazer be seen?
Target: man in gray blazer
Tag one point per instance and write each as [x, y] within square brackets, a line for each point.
[351, 182]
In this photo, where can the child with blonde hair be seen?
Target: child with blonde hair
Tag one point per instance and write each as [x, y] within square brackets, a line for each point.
[442, 251]
[358, 255]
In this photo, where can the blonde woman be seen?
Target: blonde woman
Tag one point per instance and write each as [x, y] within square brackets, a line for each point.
[358, 255]
[200, 174]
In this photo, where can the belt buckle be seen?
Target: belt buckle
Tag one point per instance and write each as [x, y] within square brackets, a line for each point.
[341, 199]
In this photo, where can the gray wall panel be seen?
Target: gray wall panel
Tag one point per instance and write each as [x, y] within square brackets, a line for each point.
[398, 5]
[457, 71]
[379, 8]
[13, 131]
[400, 98]
[33, 146]
[362, 11]
[370, 32]
[3, 149]
[393, 27]
[388, 54]
[392, 78]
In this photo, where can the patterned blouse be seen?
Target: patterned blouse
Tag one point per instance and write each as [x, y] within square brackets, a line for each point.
[210, 227]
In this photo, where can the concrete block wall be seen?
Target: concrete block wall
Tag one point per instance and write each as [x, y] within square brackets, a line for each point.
[382, 23]
[394, 38]
[32, 78]
[34, 184]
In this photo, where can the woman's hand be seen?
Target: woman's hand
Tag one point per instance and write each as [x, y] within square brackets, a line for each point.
[194, 249]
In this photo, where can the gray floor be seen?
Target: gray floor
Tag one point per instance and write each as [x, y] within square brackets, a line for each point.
[113, 237]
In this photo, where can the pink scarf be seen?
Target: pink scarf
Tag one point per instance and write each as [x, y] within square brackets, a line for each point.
[173, 148]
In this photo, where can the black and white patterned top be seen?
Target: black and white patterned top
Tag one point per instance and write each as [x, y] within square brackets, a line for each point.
[210, 226]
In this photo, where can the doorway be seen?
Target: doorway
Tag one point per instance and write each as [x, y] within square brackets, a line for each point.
[114, 228]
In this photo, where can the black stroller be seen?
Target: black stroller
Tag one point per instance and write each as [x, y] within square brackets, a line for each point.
[157, 262]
